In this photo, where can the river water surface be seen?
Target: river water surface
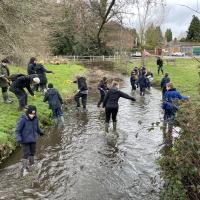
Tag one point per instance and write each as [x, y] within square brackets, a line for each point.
[78, 164]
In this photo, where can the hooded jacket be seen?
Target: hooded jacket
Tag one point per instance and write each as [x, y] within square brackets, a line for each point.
[172, 95]
[112, 97]
[164, 82]
[142, 81]
[82, 85]
[102, 85]
[31, 68]
[27, 130]
[53, 97]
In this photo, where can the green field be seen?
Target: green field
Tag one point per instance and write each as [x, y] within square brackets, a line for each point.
[184, 74]
[9, 114]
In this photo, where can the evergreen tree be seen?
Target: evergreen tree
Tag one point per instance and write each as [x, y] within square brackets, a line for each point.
[193, 33]
[168, 35]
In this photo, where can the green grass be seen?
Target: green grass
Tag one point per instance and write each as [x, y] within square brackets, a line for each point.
[184, 75]
[61, 80]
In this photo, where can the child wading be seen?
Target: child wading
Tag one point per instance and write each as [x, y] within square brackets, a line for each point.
[111, 104]
[82, 92]
[170, 106]
[102, 87]
[27, 132]
[163, 84]
[55, 103]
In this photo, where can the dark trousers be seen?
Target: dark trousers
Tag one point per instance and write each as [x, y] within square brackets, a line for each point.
[4, 89]
[83, 98]
[142, 90]
[163, 92]
[113, 112]
[102, 95]
[133, 85]
[22, 97]
[57, 112]
[28, 149]
[160, 68]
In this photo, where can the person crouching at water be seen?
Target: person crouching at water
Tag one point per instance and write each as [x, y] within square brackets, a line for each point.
[82, 92]
[55, 102]
[102, 87]
[111, 104]
[17, 87]
[27, 132]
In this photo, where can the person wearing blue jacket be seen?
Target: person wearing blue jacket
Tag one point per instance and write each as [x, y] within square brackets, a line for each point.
[170, 105]
[27, 132]
[142, 81]
[163, 84]
[55, 103]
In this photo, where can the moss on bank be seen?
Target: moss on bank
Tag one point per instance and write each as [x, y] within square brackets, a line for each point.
[9, 114]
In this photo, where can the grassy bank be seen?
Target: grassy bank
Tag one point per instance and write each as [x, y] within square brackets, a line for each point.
[9, 114]
[184, 74]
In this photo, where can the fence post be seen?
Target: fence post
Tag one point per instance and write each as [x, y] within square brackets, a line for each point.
[74, 58]
[103, 58]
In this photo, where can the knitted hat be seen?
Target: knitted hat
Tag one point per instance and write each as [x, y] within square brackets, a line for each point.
[36, 80]
[31, 109]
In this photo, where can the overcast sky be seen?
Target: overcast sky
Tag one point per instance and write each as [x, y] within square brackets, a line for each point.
[178, 18]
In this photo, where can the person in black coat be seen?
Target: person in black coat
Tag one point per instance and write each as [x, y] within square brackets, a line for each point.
[102, 87]
[82, 92]
[160, 65]
[31, 66]
[163, 84]
[4, 81]
[111, 104]
[55, 103]
[41, 72]
[133, 80]
[142, 84]
[17, 87]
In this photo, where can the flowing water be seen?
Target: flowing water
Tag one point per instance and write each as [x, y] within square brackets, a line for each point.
[78, 164]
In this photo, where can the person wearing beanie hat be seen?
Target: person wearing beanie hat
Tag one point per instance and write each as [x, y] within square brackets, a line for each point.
[4, 82]
[55, 102]
[27, 132]
[18, 86]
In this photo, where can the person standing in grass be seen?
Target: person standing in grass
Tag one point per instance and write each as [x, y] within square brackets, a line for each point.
[27, 132]
[111, 104]
[4, 80]
[160, 65]
[102, 87]
[82, 92]
[55, 103]
[163, 83]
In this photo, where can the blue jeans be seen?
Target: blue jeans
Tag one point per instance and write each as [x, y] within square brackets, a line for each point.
[57, 112]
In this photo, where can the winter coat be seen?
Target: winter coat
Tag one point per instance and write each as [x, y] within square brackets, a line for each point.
[133, 79]
[53, 97]
[21, 83]
[41, 72]
[159, 62]
[31, 68]
[172, 95]
[82, 85]
[164, 82]
[102, 85]
[112, 97]
[27, 130]
[142, 81]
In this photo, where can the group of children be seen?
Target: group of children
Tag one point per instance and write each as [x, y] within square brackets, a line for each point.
[141, 78]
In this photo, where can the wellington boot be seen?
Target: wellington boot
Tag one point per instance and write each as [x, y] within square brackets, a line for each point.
[106, 127]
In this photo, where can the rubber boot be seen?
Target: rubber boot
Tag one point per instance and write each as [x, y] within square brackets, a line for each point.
[31, 160]
[62, 119]
[24, 169]
[6, 98]
[114, 126]
[56, 121]
[106, 127]
[61, 122]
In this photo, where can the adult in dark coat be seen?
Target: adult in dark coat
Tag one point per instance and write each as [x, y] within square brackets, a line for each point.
[160, 65]
[41, 72]
[102, 87]
[27, 132]
[82, 92]
[111, 104]
[55, 103]
[17, 87]
[4, 81]
[163, 83]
